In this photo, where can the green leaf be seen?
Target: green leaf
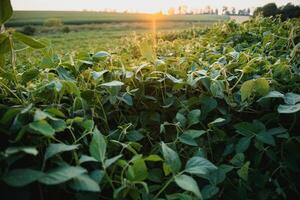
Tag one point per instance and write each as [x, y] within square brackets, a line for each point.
[243, 144]
[101, 55]
[61, 175]
[194, 117]
[181, 119]
[246, 129]
[85, 158]
[111, 161]
[238, 159]
[137, 171]
[171, 157]
[247, 89]
[256, 86]
[288, 109]
[42, 127]
[153, 158]
[54, 149]
[113, 84]
[217, 89]
[199, 165]
[5, 46]
[243, 172]
[28, 150]
[22, 177]
[194, 133]
[28, 40]
[217, 121]
[98, 146]
[187, 139]
[6, 11]
[291, 98]
[266, 138]
[262, 86]
[189, 184]
[84, 183]
[134, 136]
[209, 191]
[272, 94]
[29, 75]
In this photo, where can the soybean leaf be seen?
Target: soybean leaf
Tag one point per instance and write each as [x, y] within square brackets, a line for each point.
[194, 117]
[272, 94]
[247, 89]
[42, 127]
[262, 86]
[6, 11]
[138, 171]
[181, 119]
[84, 183]
[199, 165]
[54, 149]
[246, 129]
[61, 175]
[28, 150]
[28, 40]
[101, 55]
[97, 175]
[5, 47]
[266, 138]
[171, 157]
[111, 161]
[21, 177]
[238, 159]
[209, 191]
[85, 158]
[291, 98]
[194, 133]
[153, 158]
[113, 84]
[98, 146]
[243, 172]
[288, 109]
[189, 184]
[187, 139]
[243, 144]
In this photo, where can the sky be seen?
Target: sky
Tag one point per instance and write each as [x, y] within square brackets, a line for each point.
[149, 6]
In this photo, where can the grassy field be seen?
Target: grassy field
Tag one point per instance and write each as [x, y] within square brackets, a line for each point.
[21, 18]
[96, 30]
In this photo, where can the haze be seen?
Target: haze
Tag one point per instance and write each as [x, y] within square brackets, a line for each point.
[148, 6]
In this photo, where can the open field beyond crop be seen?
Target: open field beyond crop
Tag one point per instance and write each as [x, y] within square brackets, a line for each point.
[21, 18]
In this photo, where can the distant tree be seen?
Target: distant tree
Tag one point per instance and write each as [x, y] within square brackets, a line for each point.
[217, 12]
[248, 11]
[224, 10]
[233, 11]
[182, 10]
[270, 9]
[288, 11]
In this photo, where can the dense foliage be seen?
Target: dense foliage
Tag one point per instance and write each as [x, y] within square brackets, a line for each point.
[286, 12]
[200, 114]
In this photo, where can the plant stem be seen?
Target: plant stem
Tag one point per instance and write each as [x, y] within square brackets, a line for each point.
[163, 188]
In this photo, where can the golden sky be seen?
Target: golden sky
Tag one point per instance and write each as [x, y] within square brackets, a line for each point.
[136, 5]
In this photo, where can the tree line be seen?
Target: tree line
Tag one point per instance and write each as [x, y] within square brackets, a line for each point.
[286, 12]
